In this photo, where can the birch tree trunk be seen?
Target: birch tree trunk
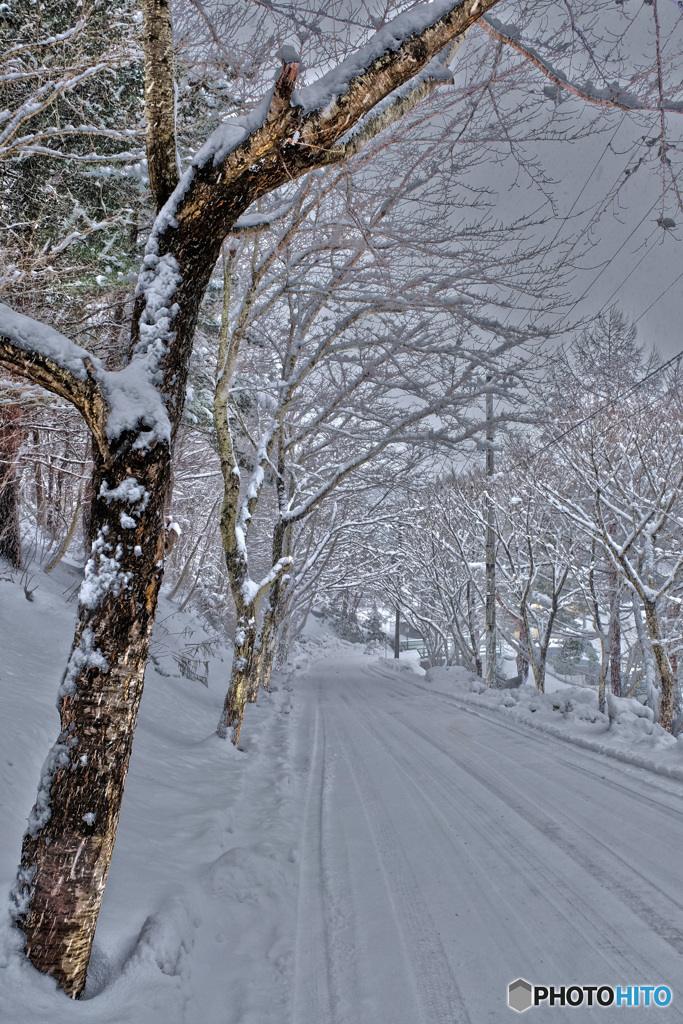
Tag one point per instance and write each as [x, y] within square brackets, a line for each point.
[242, 671]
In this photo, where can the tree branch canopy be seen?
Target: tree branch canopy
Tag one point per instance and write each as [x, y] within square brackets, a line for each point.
[280, 141]
[250, 156]
[290, 133]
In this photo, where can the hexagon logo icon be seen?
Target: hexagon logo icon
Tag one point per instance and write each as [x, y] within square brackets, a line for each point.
[519, 995]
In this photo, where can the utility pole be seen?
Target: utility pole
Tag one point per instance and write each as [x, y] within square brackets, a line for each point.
[397, 633]
[397, 622]
[490, 632]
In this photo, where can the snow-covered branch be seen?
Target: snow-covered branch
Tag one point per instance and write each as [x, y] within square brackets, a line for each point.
[612, 96]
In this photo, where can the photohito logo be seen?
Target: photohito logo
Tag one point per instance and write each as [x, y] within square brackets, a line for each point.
[522, 995]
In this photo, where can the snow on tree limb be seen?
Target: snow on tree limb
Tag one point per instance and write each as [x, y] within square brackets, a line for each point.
[399, 50]
[606, 97]
[111, 402]
[252, 591]
[301, 136]
[400, 102]
[48, 358]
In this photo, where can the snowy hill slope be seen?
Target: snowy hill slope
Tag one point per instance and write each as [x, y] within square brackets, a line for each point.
[204, 867]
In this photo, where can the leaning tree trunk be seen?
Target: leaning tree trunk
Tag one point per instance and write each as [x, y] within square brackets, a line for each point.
[68, 845]
[277, 595]
[666, 676]
[266, 657]
[269, 634]
[11, 436]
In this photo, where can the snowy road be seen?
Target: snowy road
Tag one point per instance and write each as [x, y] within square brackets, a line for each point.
[376, 852]
[445, 853]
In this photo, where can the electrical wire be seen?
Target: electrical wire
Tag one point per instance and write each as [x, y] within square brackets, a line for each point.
[617, 398]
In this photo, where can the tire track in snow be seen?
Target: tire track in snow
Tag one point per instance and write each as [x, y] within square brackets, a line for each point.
[637, 783]
[524, 863]
[440, 997]
[625, 891]
[312, 990]
[505, 887]
[640, 894]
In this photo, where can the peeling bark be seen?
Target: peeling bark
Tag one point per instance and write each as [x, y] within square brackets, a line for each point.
[666, 700]
[272, 620]
[232, 715]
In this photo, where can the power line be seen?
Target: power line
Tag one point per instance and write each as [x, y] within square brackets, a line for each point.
[584, 231]
[660, 296]
[609, 261]
[647, 253]
[565, 219]
[585, 186]
[617, 398]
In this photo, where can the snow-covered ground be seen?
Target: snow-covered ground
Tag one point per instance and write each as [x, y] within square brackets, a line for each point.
[386, 848]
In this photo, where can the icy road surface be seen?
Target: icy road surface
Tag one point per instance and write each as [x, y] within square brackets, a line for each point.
[445, 853]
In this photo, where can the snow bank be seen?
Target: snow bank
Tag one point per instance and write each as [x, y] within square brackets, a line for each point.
[626, 732]
[199, 910]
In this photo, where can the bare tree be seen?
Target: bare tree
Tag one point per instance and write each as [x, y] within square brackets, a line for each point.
[133, 415]
[633, 511]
